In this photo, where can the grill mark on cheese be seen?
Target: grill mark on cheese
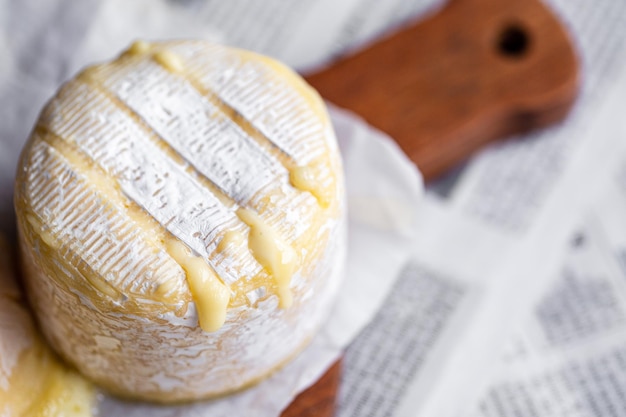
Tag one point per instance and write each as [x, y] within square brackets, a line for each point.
[193, 128]
[80, 122]
[263, 141]
[149, 177]
[318, 189]
[170, 104]
[139, 48]
[293, 126]
[287, 120]
[74, 213]
[301, 177]
[211, 307]
[146, 88]
[186, 149]
[62, 226]
[95, 83]
[95, 174]
[149, 91]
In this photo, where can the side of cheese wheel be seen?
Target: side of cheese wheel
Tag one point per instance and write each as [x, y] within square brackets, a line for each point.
[33, 382]
[181, 219]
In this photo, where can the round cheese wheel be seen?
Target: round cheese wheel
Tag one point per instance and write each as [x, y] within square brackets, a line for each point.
[33, 383]
[181, 219]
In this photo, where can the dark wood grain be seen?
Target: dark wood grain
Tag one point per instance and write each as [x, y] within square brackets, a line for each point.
[476, 71]
[319, 400]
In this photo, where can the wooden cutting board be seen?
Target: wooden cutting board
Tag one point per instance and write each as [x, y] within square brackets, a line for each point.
[476, 71]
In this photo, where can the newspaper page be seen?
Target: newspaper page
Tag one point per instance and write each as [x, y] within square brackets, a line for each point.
[465, 302]
[520, 189]
[570, 365]
[568, 359]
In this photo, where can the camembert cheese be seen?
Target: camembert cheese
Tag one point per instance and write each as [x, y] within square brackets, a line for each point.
[181, 219]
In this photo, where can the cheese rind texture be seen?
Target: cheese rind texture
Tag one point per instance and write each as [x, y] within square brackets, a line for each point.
[181, 219]
[33, 382]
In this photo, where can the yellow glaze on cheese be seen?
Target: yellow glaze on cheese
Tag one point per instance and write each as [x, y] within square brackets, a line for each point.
[231, 238]
[272, 252]
[138, 47]
[169, 60]
[40, 386]
[209, 293]
[303, 178]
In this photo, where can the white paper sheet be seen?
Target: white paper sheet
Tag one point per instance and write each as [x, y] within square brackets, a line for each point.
[567, 359]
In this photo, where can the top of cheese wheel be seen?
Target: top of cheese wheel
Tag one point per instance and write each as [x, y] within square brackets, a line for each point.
[168, 157]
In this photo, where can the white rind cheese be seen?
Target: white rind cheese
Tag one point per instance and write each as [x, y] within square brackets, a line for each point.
[181, 219]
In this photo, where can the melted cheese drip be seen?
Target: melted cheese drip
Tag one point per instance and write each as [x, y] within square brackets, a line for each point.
[232, 237]
[273, 253]
[139, 48]
[169, 60]
[209, 293]
[41, 386]
[303, 178]
[44, 233]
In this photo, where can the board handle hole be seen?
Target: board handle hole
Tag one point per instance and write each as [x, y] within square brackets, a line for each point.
[513, 41]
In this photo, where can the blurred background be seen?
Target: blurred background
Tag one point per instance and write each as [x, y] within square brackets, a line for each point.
[514, 301]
